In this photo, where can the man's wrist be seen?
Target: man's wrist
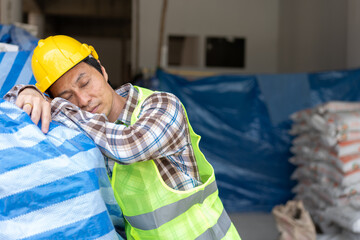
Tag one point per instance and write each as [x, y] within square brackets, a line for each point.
[32, 87]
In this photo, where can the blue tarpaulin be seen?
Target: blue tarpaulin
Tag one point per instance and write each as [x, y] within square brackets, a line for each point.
[244, 123]
[15, 67]
[52, 186]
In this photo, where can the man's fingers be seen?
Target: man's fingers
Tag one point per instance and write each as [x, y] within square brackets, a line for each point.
[36, 110]
[27, 107]
[26, 103]
[36, 106]
[45, 117]
[36, 114]
[20, 102]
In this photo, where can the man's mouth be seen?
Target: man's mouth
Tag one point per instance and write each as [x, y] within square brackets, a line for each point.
[94, 110]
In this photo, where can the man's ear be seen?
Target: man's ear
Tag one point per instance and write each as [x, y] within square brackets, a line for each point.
[104, 72]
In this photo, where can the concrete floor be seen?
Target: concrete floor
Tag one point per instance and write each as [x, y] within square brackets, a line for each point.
[255, 226]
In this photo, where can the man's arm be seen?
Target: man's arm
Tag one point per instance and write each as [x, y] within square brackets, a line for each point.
[161, 129]
[33, 102]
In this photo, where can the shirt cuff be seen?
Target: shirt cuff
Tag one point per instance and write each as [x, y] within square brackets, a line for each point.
[33, 87]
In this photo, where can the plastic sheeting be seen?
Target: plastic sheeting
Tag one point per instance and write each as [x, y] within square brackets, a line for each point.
[244, 123]
[15, 67]
[52, 186]
[14, 35]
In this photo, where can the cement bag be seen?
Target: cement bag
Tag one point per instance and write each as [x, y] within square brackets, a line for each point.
[344, 235]
[333, 123]
[325, 139]
[305, 115]
[327, 173]
[326, 226]
[304, 155]
[294, 222]
[347, 217]
[302, 116]
[52, 186]
[334, 195]
[338, 106]
[315, 148]
[300, 128]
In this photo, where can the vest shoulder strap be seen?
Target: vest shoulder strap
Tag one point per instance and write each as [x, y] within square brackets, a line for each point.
[143, 94]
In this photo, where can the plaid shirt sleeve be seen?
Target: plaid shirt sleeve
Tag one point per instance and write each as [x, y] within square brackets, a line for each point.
[159, 132]
[12, 95]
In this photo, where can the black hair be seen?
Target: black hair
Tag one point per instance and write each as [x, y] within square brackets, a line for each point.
[88, 60]
[94, 63]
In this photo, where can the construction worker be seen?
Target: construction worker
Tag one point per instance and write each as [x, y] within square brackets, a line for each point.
[161, 180]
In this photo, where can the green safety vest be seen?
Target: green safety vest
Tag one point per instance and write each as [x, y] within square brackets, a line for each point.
[153, 210]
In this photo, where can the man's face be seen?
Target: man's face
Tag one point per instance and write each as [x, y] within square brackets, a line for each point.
[85, 87]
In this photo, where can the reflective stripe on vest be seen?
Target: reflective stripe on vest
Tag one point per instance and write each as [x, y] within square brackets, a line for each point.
[219, 230]
[166, 213]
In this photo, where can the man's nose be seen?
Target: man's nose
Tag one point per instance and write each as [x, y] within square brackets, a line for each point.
[83, 100]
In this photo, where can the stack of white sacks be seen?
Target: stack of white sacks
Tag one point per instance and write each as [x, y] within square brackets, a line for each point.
[326, 152]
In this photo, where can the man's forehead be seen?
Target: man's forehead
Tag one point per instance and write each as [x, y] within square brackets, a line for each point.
[66, 83]
[76, 73]
[80, 76]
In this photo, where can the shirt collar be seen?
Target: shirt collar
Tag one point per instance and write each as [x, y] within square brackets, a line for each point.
[131, 94]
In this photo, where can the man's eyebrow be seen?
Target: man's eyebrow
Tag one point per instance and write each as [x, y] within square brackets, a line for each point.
[62, 93]
[79, 77]
[76, 81]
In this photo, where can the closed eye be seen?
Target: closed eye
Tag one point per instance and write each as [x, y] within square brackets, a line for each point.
[85, 84]
[68, 97]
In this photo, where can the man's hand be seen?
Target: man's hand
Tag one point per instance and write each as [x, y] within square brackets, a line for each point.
[34, 104]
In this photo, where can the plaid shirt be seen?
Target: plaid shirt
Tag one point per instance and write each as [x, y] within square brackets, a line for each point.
[161, 133]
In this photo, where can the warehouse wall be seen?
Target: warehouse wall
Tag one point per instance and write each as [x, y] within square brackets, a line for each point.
[281, 36]
[10, 11]
[313, 35]
[353, 34]
[256, 20]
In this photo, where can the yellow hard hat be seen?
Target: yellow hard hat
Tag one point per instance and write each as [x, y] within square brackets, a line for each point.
[56, 55]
